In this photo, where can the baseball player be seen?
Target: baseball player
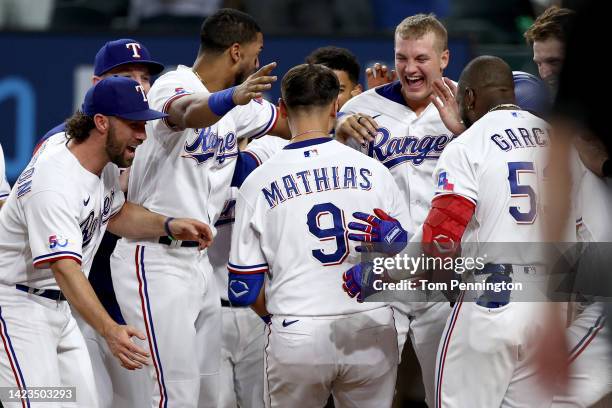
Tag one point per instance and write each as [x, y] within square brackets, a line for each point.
[409, 136]
[491, 176]
[187, 165]
[345, 66]
[487, 193]
[50, 229]
[127, 58]
[123, 57]
[5, 188]
[590, 377]
[243, 335]
[291, 232]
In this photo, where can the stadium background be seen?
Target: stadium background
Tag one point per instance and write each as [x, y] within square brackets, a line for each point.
[47, 49]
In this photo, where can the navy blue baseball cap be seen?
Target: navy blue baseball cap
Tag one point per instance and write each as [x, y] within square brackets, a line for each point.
[121, 97]
[531, 93]
[121, 52]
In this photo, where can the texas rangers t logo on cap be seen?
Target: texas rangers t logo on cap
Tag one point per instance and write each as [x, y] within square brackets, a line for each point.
[134, 47]
[140, 89]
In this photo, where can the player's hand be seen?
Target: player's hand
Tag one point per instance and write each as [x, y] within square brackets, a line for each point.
[187, 229]
[357, 126]
[443, 98]
[255, 85]
[352, 281]
[118, 338]
[381, 229]
[357, 281]
[379, 75]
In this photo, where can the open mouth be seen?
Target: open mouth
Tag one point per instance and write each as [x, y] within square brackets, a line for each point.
[415, 81]
[132, 149]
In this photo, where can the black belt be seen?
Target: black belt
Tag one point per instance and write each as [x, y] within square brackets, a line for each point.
[184, 244]
[226, 303]
[52, 294]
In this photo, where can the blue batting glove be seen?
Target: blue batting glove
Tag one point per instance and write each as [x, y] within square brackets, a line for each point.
[353, 281]
[381, 229]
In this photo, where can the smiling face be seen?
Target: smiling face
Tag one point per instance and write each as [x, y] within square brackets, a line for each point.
[549, 55]
[123, 137]
[418, 62]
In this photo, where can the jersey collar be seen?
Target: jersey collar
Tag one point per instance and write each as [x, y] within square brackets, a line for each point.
[392, 91]
[306, 143]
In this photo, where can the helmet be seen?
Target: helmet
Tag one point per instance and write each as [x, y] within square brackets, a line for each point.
[532, 94]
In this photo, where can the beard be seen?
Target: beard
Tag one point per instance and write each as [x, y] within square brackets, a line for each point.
[115, 150]
[242, 75]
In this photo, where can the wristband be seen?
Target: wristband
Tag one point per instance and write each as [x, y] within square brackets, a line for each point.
[167, 227]
[222, 102]
[267, 319]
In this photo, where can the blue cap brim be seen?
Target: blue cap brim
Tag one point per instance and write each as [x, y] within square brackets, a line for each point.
[153, 66]
[148, 114]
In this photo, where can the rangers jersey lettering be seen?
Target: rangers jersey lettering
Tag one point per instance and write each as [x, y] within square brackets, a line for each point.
[407, 144]
[187, 172]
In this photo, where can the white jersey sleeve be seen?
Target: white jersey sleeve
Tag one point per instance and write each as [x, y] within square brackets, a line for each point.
[246, 255]
[254, 119]
[456, 172]
[5, 188]
[53, 230]
[170, 88]
[265, 147]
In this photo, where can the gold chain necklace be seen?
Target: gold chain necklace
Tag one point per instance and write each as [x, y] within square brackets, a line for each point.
[504, 106]
[310, 131]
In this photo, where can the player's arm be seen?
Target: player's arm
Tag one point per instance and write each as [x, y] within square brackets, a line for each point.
[247, 265]
[200, 110]
[136, 222]
[77, 289]
[259, 306]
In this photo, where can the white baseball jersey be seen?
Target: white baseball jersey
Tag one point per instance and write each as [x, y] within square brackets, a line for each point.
[499, 165]
[187, 172]
[407, 144]
[5, 188]
[265, 147]
[291, 222]
[58, 210]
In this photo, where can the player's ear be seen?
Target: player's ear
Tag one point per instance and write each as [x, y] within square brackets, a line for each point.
[357, 89]
[95, 79]
[444, 57]
[334, 108]
[469, 99]
[102, 122]
[282, 108]
[234, 52]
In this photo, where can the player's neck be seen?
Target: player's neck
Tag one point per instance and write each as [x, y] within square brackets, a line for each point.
[417, 106]
[305, 129]
[212, 73]
[88, 155]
